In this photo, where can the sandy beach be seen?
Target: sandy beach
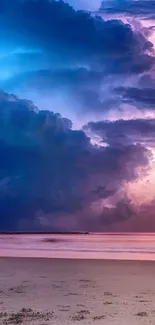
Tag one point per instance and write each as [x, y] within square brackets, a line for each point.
[59, 291]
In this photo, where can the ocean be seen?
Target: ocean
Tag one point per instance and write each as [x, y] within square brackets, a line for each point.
[126, 246]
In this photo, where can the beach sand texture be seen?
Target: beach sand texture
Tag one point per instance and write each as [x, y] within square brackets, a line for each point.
[59, 291]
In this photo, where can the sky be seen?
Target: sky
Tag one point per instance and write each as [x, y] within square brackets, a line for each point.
[77, 115]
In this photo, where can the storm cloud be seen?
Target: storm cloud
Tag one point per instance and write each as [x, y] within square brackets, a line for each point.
[124, 132]
[46, 166]
[53, 48]
[143, 97]
[78, 68]
[56, 26]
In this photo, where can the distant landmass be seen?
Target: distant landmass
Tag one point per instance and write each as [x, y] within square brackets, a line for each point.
[44, 233]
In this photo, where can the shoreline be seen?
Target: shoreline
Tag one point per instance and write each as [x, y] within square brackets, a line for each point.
[77, 255]
[78, 260]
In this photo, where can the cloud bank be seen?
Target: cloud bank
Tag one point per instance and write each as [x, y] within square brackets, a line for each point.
[70, 158]
[58, 47]
[48, 167]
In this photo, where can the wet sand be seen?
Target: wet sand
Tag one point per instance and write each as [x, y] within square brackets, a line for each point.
[59, 291]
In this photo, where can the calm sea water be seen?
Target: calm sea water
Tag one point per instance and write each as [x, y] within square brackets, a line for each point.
[95, 246]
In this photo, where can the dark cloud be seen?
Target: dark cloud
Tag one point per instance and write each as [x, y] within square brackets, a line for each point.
[140, 221]
[142, 8]
[125, 216]
[51, 176]
[48, 168]
[142, 97]
[119, 214]
[50, 52]
[124, 132]
[76, 36]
